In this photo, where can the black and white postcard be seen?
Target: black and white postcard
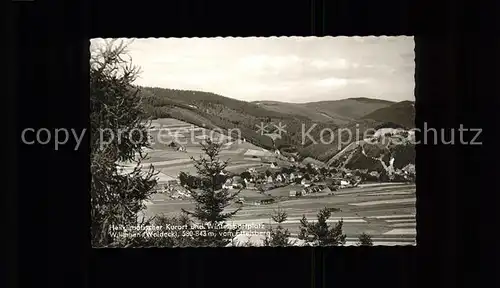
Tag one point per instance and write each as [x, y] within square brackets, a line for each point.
[280, 141]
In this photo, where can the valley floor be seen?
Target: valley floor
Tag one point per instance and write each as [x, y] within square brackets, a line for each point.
[387, 213]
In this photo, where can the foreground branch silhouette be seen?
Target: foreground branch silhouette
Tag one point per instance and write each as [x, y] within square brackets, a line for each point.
[115, 105]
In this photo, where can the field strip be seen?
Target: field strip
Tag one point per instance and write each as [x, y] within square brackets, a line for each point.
[176, 169]
[308, 217]
[179, 124]
[178, 129]
[403, 225]
[363, 190]
[399, 220]
[269, 221]
[171, 162]
[392, 216]
[406, 231]
[389, 193]
[382, 202]
[242, 166]
[162, 154]
[384, 184]
[298, 213]
[229, 152]
[298, 217]
[253, 152]
[374, 238]
[174, 129]
[288, 211]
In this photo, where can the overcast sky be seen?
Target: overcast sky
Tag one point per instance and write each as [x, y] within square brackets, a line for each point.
[288, 69]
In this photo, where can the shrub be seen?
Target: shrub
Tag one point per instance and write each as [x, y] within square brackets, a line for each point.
[320, 233]
[365, 240]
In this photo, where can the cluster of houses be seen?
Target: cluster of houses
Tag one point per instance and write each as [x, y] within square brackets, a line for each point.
[406, 174]
[302, 183]
[253, 179]
[173, 189]
[302, 179]
[321, 188]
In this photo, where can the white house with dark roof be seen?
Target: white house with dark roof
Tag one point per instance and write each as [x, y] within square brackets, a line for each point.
[228, 184]
[305, 182]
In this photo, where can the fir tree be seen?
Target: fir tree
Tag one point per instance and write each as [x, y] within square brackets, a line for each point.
[279, 236]
[211, 199]
[246, 175]
[320, 233]
[117, 134]
[365, 240]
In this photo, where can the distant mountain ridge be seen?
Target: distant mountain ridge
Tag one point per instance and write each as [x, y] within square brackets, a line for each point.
[401, 113]
[360, 99]
[338, 112]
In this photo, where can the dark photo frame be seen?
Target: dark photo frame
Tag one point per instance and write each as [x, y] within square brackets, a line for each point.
[48, 197]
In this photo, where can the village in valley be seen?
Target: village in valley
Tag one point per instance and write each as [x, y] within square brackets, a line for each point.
[267, 180]
[279, 174]
[271, 175]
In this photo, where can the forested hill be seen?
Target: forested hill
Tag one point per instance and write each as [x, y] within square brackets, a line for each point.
[213, 110]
